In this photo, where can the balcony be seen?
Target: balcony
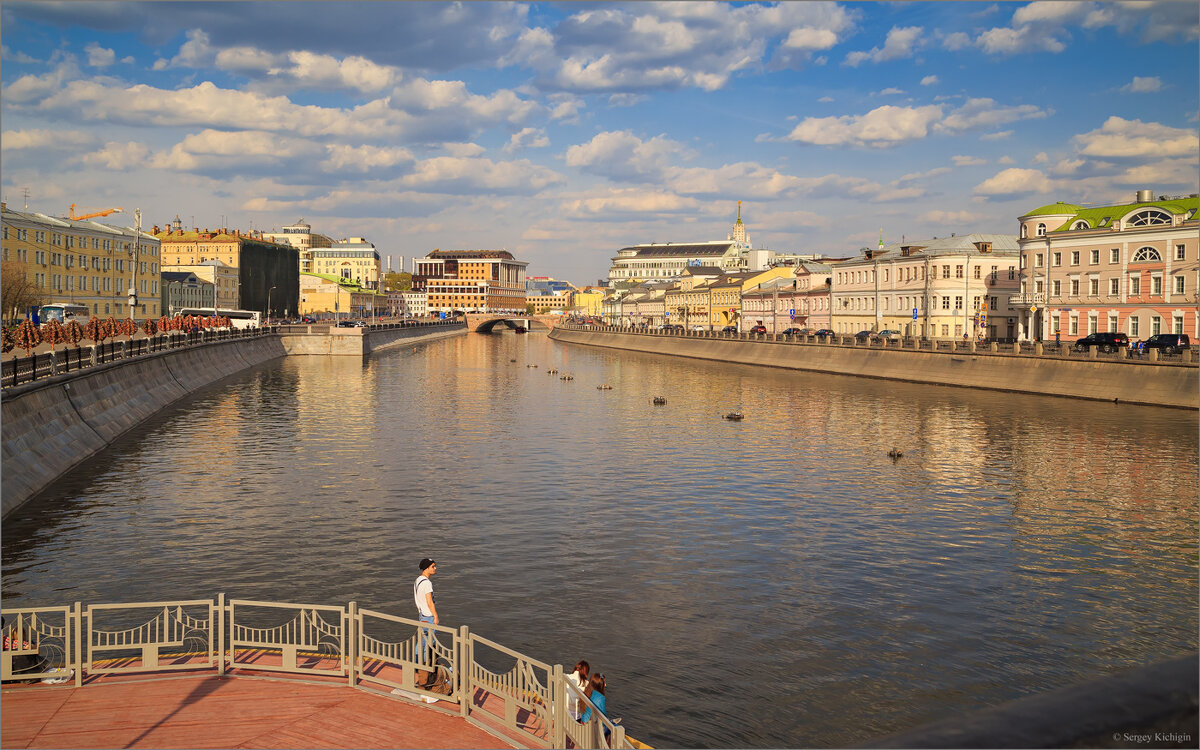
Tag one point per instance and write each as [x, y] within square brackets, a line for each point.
[1027, 300]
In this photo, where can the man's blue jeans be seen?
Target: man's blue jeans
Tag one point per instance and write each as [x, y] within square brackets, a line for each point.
[425, 633]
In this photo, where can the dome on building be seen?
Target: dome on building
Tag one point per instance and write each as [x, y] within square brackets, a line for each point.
[1056, 209]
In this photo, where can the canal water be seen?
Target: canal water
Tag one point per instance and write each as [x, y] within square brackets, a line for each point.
[775, 582]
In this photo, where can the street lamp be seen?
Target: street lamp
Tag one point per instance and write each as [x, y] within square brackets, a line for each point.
[269, 305]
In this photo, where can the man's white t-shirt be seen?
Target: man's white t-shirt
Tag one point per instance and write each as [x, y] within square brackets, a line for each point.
[421, 587]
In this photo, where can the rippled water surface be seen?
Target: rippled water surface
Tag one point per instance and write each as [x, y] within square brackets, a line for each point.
[772, 582]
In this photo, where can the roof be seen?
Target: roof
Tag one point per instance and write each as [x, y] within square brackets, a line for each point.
[182, 276]
[683, 250]
[471, 255]
[348, 284]
[1055, 209]
[1103, 216]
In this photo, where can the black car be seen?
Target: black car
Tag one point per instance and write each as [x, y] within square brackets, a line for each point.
[794, 331]
[729, 329]
[825, 333]
[1106, 342]
[864, 335]
[1168, 343]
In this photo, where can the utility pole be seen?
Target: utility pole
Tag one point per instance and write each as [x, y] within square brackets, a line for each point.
[137, 252]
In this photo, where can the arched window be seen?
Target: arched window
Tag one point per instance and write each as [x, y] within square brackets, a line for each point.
[1148, 218]
[1081, 224]
[1146, 255]
[1024, 231]
[1041, 230]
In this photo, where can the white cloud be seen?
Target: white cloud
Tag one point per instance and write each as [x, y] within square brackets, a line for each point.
[1040, 158]
[464, 150]
[881, 127]
[1015, 181]
[998, 135]
[956, 41]
[342, 158]
[453, 175]
[967, 161]
[984, 112]
[825, 99]
[625, 100]
[1140, 85]
[810, 39]
[119, 157]
[929, 81]
[626, 201]
[1121, 138]
[565, 107]
[527, 138]
[1005, 160]
[1044, 26]
[622, 155]
[99, 57]
[951, 218]
[8, 55]
[891, 91]
[59, 140]
[900, 43]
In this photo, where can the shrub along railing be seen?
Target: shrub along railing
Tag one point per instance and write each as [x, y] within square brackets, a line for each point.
[502, 691]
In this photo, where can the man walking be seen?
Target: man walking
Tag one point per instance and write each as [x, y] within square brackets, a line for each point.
[426, 609]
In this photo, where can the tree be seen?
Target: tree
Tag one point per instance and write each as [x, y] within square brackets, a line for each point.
[529, 309]
[17, 291]
[397, 281]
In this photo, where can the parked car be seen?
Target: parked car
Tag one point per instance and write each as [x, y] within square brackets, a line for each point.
[864, 335]
[888, 335]
[351, 324]
[729, 329]
[758, 329]
[308, 319]
[1168, 343]
[1107, 342]
[793, 332]
[699, 328]
[825, 333]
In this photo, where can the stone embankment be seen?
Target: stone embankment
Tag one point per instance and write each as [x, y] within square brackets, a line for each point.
[53, 424]
[1156, 384]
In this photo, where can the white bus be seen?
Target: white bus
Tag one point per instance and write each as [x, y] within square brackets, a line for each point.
[240, 318]
[64, 312]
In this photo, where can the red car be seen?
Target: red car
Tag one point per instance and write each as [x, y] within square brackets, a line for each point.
[758, 329]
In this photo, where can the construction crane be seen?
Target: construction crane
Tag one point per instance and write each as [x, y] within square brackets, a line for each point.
[94, 215]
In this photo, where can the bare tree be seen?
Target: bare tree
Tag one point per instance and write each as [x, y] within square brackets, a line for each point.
[17, 290]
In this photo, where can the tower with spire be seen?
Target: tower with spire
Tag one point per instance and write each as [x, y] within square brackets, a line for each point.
[738, 235]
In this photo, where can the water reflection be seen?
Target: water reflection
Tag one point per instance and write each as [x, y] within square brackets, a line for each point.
[773, 582]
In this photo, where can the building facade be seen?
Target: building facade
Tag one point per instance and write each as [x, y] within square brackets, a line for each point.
[952, 287]
[301, 237]
[334, 297]
[184, 290]
[1129, 268]
[354, 259]
[471, 281]
[222, 276]
[83, 262]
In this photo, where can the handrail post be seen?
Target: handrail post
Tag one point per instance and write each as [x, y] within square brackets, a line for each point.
[221, 634]
[618, 738]
[351, 648]
[464, 657]
[77, 616]
[558, 709]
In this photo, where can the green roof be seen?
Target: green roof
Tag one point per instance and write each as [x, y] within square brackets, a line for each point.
[1104, 216]
[1055, 209]
[348, 284]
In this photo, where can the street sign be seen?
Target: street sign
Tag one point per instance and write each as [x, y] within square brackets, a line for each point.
[792, 312]
[1033, 309]
[914, 313]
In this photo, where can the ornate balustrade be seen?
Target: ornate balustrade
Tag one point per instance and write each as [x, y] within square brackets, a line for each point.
[504, 692]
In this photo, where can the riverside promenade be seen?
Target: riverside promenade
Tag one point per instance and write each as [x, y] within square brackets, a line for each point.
[1027, 367]
[243, 673]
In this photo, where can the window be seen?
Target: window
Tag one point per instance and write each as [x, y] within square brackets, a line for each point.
[1075, 258]
[995, 302]
[1135, 286]
[1133, 326]
[1037, 260]
[978, 270]
[1180, 252]
[958, 272]
[1037, 286]
[1073, 326]
[1114, 287]
[1092, 323]
[958, 302]
[1155, 325]
[1024, 231]
[1094, 287]
[1095, 257]
[1041, 230]
[1081, 224]
[1056, 285]
[1012, 274]
[1177, 324]
[1146, 255]
[1156, 286]
[945, 272]
[1179, 285]
[1074, 287]
[1112, 322]
[945, 303]
[1148, 218]
[1058, 259]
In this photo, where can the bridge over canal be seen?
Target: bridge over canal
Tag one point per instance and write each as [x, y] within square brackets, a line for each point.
[485, 322]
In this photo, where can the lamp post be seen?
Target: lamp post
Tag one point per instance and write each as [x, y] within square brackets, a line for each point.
[269, 305]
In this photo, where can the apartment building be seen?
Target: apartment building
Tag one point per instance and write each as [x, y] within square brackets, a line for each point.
[353, 258]
[471, 280]
[83, 262]
[952, 287]
[1129, 267]
[300, 236]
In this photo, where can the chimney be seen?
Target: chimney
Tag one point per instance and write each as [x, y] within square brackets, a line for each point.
[1145, 196]
[155, 229]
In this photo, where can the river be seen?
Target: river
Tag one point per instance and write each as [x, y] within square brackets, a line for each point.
[773, 582]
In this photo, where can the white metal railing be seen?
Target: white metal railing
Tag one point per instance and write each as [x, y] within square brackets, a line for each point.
[503, 691]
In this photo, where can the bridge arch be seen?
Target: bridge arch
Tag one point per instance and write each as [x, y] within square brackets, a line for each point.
[487, 322]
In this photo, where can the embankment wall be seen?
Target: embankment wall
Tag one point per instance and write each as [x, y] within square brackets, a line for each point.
[1137, 383]
[54, 424]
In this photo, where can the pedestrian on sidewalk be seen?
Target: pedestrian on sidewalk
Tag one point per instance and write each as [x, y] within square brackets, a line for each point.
[426, 608]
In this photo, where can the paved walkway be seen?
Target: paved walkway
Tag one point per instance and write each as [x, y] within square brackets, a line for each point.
[234, 711]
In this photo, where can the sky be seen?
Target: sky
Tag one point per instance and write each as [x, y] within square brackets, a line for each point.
[564, 132]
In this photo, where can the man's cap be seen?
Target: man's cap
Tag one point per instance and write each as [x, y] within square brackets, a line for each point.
[425, 563]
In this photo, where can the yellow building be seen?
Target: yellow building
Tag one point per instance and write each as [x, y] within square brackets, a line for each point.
[588, 301]
[471, 280]
[354, 259]
[331, 297]
[222, 276]
[83, 262]
[544, 303]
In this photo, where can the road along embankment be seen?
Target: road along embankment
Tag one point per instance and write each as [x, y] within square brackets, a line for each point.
[1129, 382]
[53, 424]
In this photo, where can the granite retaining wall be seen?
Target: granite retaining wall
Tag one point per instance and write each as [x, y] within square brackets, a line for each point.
[1154, 384]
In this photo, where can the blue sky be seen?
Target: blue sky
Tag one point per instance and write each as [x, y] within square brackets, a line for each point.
[563, 132]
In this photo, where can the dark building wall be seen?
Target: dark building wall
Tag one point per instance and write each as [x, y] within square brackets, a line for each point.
[265, 265]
